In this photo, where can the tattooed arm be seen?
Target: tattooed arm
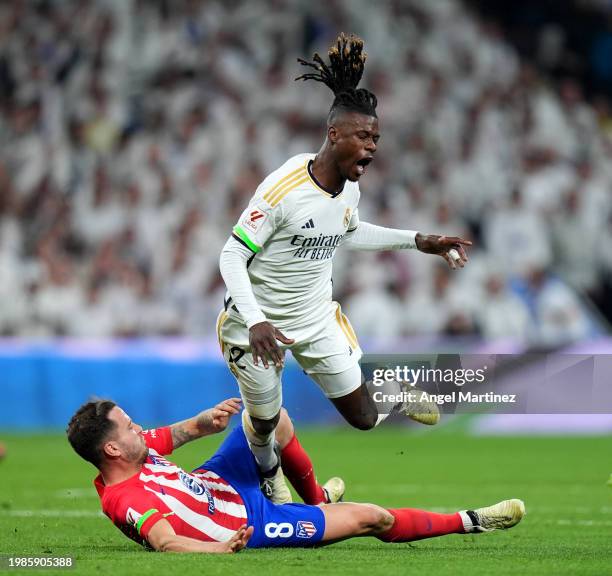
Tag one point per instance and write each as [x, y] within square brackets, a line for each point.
[205, 423]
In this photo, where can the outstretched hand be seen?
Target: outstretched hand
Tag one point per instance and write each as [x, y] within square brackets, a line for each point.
[451, 248]
[221, 414]
[262, 339]
[239, 540]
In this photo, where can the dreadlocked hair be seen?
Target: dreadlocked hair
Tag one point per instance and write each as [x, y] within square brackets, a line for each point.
[342, 75]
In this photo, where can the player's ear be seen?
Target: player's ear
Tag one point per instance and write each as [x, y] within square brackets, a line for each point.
[111, 449]
[332, 134]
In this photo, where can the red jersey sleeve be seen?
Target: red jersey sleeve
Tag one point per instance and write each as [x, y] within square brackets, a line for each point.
[159, 439]
[135, 511]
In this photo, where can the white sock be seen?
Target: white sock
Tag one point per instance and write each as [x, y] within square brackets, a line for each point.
[381, 418]
[468, 525]
[385, 409]
[262, 447]
[264, 454]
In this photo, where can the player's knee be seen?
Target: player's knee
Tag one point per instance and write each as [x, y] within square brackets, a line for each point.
[362, 421]
[385, 521]
[375, 520]
[265, 427]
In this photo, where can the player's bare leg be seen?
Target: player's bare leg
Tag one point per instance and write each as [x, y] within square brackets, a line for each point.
[349, 520]
[358, 407]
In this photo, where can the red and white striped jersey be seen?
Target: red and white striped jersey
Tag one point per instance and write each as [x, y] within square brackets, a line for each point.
[200, 505]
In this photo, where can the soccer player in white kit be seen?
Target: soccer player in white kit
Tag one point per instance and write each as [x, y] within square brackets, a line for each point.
[277, 267]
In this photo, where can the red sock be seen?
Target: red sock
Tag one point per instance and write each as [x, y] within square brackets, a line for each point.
[411, 524]
[298, 469]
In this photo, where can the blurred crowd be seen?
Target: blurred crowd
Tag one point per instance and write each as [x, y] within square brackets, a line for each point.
[134, 132]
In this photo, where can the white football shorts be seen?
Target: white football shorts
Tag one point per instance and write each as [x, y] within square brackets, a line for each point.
[329, 354]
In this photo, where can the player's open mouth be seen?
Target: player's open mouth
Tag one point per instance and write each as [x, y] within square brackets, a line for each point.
[363, 164]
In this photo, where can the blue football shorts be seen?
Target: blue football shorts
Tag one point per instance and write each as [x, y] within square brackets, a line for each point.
[287, 525]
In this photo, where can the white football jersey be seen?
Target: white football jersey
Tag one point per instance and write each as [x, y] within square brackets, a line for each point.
[294, 227]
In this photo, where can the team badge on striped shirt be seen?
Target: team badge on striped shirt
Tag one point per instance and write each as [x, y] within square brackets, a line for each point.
[305, 529]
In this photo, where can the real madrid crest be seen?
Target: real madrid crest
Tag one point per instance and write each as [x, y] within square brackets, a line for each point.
[347, 217]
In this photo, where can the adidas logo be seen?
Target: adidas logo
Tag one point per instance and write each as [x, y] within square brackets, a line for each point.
[309, 224]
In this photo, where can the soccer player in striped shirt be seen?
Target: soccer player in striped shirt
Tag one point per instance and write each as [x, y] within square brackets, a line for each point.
[219, 507]
[277, 267]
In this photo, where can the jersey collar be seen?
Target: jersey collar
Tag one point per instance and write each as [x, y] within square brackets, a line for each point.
[318, 184]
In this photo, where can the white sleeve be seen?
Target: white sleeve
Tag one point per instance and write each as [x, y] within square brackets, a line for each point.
[233, 266]
[366, 236]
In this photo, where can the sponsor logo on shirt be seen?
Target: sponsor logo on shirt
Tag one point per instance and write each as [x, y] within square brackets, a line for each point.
[191, 483]
[254, 220]
[305, 529]
[196, 486]
[321, 247]
[211, 502]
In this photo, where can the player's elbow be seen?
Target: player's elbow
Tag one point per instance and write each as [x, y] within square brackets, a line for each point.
[168, 544]
[233, 257]
[161, 544]
[161, 536]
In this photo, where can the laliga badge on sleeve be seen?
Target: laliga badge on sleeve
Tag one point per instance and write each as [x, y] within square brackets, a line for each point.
[254, 220]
